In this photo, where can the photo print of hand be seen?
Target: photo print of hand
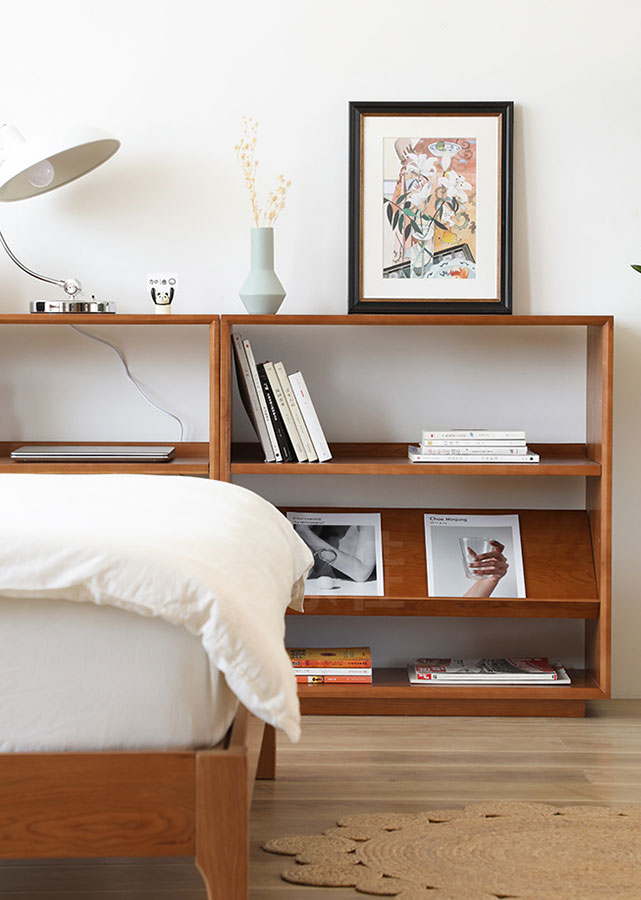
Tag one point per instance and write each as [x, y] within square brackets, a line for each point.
[489, 568]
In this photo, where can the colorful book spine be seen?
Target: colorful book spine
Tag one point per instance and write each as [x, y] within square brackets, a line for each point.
[331, 664]
[330, 656]
[334, 679]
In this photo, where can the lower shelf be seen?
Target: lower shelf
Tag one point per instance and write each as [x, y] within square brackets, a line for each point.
[392, 694]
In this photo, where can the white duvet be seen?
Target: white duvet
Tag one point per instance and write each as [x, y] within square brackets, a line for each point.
[209, 556]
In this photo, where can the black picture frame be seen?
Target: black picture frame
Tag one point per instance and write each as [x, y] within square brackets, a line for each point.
[502, 178]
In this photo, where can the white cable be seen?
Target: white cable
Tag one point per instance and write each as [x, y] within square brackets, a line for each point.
[131, 377]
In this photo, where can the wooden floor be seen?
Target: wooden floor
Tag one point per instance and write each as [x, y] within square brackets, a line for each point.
[345, 765]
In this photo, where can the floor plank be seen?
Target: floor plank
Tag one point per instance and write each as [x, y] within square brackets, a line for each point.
[351, 764]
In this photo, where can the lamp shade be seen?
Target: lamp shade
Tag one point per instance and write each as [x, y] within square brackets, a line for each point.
[72, 152]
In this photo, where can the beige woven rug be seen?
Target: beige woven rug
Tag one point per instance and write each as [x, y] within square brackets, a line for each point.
[529, 851]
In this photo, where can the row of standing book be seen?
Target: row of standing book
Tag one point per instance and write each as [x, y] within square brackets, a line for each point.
[477, 446]
[280, 409]
[353, 665]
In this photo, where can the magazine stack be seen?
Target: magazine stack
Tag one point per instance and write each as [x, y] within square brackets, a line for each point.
[280, 409]
[332, 665]
[487, 671]
[476, 446]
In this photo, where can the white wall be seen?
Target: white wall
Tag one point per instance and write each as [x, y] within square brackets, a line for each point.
[172, 80]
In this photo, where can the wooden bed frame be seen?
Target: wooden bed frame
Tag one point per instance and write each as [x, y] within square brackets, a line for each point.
[140, 803]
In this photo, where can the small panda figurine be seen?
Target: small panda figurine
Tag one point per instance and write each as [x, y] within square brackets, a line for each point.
[163, 297]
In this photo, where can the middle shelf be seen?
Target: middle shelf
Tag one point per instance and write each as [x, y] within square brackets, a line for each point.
[391, 459]
[557, 560]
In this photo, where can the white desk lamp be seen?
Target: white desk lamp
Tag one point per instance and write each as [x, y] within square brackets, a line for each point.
[32, 167]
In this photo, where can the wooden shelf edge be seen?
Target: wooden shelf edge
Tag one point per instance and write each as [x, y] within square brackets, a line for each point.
[106, 319]
[562, 585]
[524, 608]
[411, 469]
[174, 467]
[435, 706]
[412, 319]
[191, 459]
[391, 459]
[394, 684]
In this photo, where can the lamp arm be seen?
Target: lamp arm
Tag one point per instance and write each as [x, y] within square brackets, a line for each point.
[69, 285]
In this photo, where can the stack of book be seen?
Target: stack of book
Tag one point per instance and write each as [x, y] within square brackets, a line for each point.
[486, 671]
[477, 446]
[332, 665]
[280, 409]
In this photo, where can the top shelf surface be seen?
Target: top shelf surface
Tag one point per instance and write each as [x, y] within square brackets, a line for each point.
[208, 318]
[106, 319]
[416, 320]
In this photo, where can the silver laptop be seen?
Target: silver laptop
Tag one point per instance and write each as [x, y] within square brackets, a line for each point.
[99, 453]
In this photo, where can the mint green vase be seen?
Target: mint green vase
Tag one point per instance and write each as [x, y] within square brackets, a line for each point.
[262, 293]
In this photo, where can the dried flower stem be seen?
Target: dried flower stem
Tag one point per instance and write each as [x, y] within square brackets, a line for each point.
[245, 150]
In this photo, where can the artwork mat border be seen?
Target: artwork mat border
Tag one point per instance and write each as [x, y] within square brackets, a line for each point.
[358, 111]
[488, 170]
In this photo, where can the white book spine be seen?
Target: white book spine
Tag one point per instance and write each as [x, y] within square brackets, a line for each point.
[307, 670]
[263, 403]
[283, 407]
[468, 442]
[418, 457]
[478, 435]
[474, 451]
[309, 415]
[308, 446]
[253, 409]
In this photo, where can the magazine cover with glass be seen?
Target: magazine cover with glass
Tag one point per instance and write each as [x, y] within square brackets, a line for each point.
[348, 552]
[474, 556]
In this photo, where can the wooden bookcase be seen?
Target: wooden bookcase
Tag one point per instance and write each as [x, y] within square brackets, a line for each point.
[190, 459]
[574, 583]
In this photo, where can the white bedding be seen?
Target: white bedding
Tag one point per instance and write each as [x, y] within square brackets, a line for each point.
[211, 557]
[74, 676]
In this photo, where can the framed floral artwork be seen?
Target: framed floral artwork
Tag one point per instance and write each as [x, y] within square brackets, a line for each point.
[430, 208]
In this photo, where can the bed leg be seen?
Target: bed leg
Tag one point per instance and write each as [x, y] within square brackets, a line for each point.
[222, 824]
[267, 759]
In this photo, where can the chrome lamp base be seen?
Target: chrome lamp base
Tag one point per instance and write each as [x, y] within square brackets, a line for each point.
[72, 306]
